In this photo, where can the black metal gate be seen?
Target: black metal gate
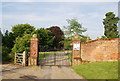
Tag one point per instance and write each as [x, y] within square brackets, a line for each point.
[55, 59]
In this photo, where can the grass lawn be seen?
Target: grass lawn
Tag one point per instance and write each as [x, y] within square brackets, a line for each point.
[69, 56]
[98, 70]
[42, 55]
[51, 52]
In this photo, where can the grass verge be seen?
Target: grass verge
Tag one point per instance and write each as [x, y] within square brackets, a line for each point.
[54, 52]
[69, 56]
[98, 70]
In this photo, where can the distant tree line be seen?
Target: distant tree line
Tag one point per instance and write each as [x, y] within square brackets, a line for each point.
[53, 38]
[18, 40]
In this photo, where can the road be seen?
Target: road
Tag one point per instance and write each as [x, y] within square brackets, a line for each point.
[37, 72]
[42, 72]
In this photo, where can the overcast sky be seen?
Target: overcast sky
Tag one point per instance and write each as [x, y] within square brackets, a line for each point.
[47, 14]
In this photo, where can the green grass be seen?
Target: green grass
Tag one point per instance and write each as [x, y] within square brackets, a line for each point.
[53, 52]
[98, 70]
[42, 56]
[69, 56]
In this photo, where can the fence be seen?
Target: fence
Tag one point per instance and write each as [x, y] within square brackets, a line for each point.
[21, 58]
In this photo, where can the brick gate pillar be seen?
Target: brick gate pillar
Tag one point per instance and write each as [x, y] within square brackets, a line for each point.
[33, 59]
[76, 57]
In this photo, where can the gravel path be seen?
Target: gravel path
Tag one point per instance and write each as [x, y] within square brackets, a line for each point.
[41, 72]
[37, 72]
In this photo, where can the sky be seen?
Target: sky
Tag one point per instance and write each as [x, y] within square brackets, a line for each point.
[47, 14]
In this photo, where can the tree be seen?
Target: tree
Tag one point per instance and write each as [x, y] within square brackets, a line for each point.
[85, 38]
[7, 44]
[1, 35]
[59, 36]
[103, 37]
[45, 39]
[21, 29]
[5, 53]
[74, 27]
[110, 25]
[67, 43]
[22, 44]
[8, 39]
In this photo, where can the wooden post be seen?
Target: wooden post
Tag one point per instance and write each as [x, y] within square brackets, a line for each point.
[15, 58]
[24, 59]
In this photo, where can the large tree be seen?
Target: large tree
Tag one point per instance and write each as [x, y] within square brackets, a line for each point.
[45, 39]
[8, 39]
[22, 43]
[21, 29]
[74, 27]
[59, 36]
[110, 25]
[7, 44]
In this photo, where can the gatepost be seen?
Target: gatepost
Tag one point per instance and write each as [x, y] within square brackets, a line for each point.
[33, 59]
[76, 58]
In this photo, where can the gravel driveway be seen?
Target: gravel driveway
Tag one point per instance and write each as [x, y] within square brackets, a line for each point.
[37, 72]
[41, 72]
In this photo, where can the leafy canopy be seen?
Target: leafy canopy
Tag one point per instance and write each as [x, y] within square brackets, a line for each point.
[74, 27]
[21, 29]
[22, 43]
[110, 25]
[45, 38]
[59, 36]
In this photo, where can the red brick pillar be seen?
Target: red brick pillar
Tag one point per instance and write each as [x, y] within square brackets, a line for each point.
[76, 57]
[33, 59]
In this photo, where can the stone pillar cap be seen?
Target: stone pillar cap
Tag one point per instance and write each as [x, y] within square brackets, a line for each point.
[34, 37]
[76, 36]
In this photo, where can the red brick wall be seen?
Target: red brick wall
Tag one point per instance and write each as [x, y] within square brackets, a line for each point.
[100, 50]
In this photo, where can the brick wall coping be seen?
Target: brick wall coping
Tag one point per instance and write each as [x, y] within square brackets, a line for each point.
[90, 41]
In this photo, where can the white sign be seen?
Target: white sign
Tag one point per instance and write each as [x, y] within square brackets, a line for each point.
[76, 46]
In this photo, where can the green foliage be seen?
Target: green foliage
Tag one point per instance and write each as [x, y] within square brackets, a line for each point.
[103, 37]
[8, 39]
[45, 38]
[59, 36]
[67, 43]
[21, 29]
[18, 40]
[42, 56]
[74, 27]
[98, 70]
[22, 44]
[51, 52]
[84, 38]
[7, 45]
[69, 56]
[110, 25]
[5, 52]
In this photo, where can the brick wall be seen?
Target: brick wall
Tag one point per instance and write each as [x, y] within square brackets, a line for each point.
[100, 50]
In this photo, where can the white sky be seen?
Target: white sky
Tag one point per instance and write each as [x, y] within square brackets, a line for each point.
[59, 0]
[89, 14]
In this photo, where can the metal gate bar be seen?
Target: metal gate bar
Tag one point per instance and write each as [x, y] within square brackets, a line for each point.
[54, 59]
